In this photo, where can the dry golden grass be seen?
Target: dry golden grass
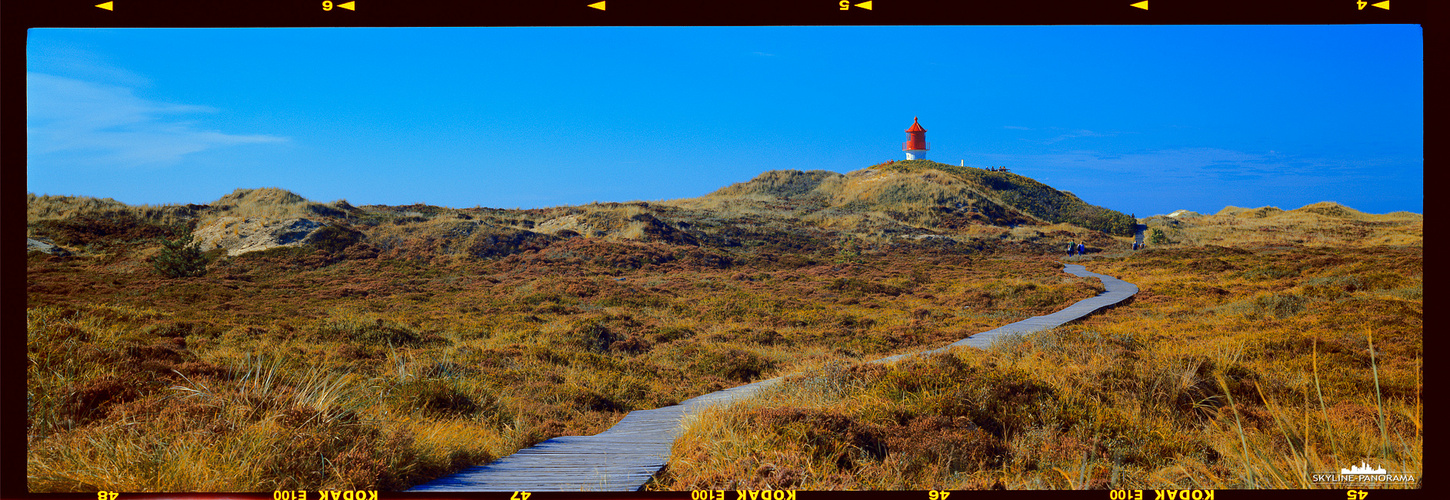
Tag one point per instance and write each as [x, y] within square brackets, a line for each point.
[1231, 369]
[58, 207]
[420, 340]
[275, 203]
[377, 368]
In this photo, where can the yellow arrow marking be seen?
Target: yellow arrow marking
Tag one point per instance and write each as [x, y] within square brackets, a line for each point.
[597, 5]
[110, 7]
[865, 5]
[1383, 5]
[348, 6]
[1142, 5]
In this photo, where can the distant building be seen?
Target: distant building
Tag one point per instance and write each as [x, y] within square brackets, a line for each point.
[917, 147]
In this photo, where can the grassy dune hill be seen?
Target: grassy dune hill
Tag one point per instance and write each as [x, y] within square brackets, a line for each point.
[263, 202]
[916, 194]
[60, 207]
[1318, 224]
[1028, 196]
[906, 204]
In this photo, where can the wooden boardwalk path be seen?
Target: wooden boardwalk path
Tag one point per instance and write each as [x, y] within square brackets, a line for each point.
[624, 457]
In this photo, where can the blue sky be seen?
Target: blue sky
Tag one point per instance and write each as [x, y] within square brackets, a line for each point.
[1141, 119]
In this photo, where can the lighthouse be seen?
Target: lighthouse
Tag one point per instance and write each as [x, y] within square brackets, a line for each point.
[917, 147]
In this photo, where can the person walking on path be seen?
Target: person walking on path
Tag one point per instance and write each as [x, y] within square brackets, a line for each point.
[1070, 247]
[1081, 250]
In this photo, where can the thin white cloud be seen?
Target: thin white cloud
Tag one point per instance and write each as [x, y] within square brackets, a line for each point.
[1079, 133]
[111, 125]
[79, 63]
[1039, 136]
[1198, 163]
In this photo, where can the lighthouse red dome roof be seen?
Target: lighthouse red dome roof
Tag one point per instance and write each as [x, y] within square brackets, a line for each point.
[915, 127]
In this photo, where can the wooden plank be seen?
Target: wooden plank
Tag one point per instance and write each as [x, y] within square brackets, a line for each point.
[627, 455]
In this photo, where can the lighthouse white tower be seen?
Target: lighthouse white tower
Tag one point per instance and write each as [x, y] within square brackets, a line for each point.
[917, 147]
